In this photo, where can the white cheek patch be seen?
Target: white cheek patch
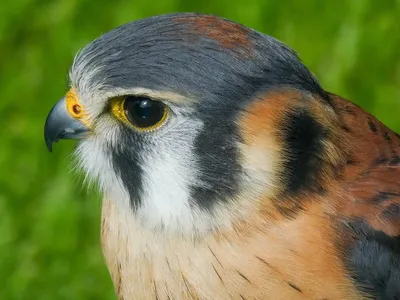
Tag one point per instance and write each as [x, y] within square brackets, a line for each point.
[168, 173]
[169, 170]
[96, 161]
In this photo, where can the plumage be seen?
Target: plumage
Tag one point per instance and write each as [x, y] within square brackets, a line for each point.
[255, 184]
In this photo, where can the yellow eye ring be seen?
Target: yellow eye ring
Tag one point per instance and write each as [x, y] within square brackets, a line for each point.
[140, 112]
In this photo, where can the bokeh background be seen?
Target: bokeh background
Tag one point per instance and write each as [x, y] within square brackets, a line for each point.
[49, 223]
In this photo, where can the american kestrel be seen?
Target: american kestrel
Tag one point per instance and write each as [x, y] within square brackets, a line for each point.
[228, 172]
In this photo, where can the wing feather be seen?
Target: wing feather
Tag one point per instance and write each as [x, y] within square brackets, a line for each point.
[370, 201]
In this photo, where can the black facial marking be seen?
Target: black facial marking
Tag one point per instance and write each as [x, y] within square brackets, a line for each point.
[303, 141]
[127, 165]
[374, 262]
[372, 126]
[218, 165]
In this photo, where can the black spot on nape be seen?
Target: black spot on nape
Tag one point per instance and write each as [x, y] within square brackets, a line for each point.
[392, 212]
[373, 260]
[126, 164]
[303, 137]
[372, 126]
[381, 197]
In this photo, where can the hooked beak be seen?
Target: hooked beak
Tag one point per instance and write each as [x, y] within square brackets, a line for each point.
[61, 125]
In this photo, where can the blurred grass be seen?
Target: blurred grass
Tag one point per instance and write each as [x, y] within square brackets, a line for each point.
[49, 225]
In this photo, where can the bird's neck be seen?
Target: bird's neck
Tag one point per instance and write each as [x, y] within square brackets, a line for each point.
[250, 261]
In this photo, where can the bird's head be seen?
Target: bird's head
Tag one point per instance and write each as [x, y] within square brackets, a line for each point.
[192, 121]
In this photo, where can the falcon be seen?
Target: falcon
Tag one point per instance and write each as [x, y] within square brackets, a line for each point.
[227, 171]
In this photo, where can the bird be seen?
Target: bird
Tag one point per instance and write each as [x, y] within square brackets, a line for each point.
[227, 170]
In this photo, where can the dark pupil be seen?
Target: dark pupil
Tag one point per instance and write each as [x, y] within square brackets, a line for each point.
[143, 112]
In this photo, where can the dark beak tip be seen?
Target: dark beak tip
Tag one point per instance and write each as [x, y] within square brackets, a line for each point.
[49, 145]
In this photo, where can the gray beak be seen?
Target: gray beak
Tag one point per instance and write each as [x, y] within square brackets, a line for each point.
[61, 125]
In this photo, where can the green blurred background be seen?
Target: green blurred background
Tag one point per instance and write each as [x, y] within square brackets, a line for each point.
[49, 223]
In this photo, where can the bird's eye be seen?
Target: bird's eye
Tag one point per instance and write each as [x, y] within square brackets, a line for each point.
[139, 111]
[142, 112]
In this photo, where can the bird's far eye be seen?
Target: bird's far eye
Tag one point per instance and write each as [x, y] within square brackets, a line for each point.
[141, 112]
